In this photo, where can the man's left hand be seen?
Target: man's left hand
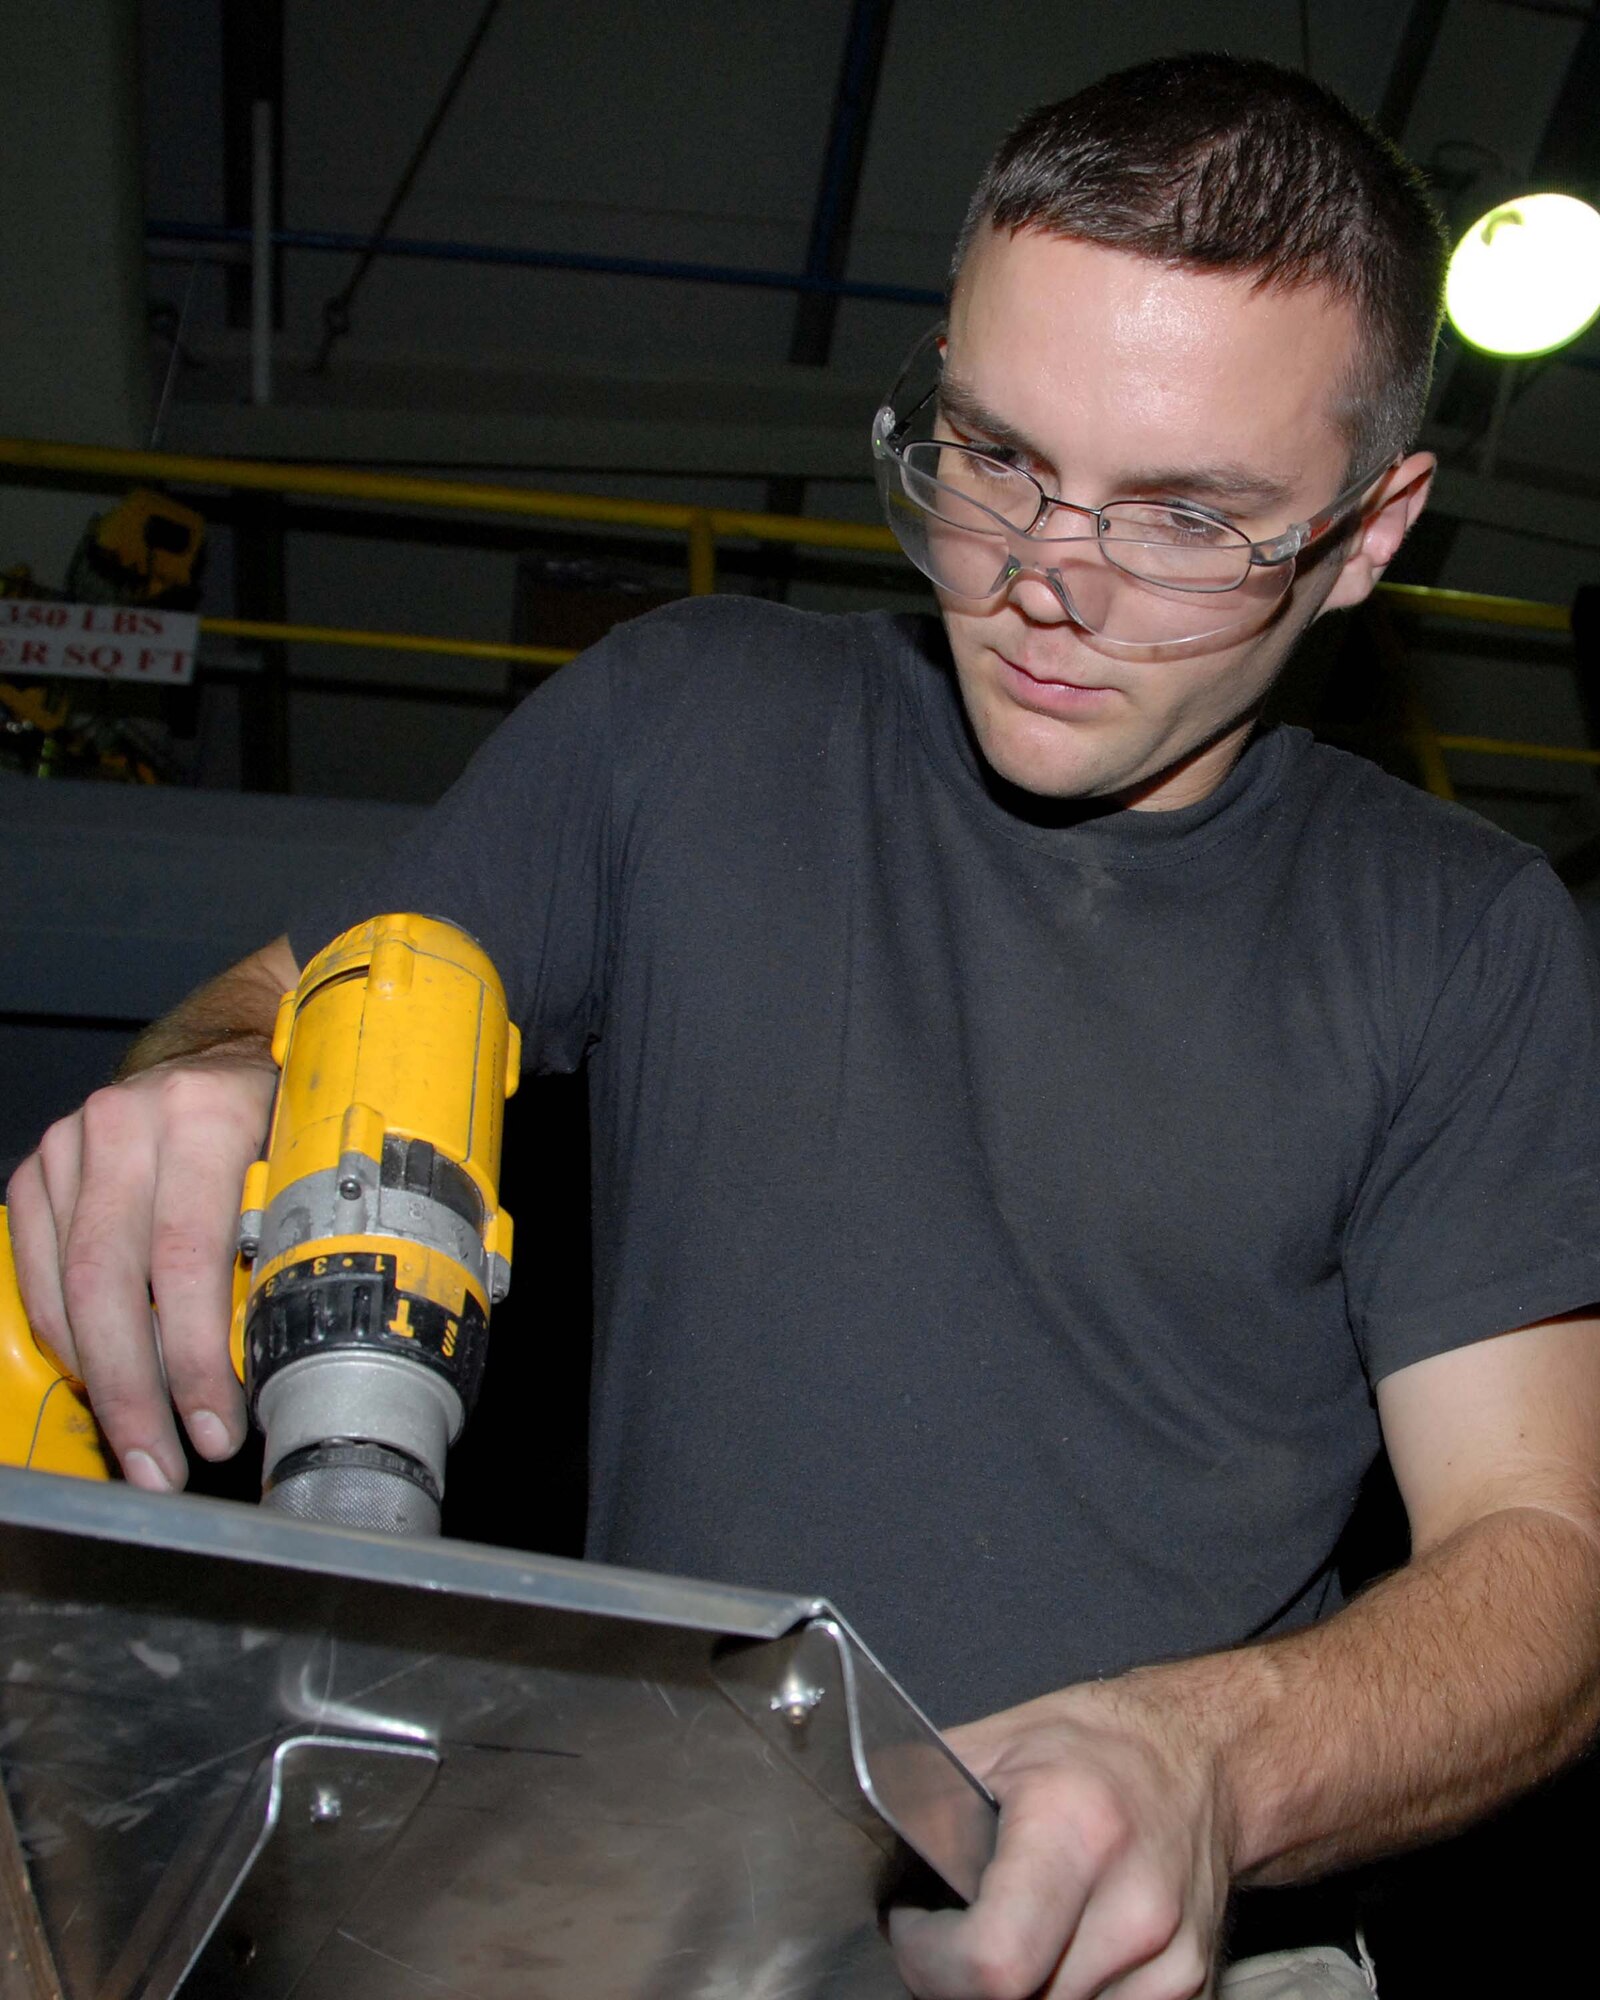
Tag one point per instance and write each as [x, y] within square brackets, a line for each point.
[1110, 1875]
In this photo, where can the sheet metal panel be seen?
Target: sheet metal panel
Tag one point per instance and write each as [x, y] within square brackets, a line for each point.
[257, 1755]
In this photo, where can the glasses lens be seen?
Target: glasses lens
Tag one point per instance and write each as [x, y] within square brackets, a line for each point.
[1174, 546]
[1133, 610]
[942, 526]
[1167, 575]
[966, 486]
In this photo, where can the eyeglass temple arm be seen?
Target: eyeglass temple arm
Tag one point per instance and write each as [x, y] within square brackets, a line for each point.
[1301, 536]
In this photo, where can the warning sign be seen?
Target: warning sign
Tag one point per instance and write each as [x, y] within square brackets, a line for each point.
[97, 642]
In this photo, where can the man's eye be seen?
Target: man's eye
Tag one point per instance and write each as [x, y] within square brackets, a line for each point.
[1161, 521]
[1197, 528]
[998, 457]
[992, 469]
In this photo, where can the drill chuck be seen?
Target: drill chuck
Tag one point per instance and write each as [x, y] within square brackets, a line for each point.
[355, 1485]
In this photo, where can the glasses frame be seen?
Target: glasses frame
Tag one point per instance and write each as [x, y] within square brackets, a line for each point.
[889, 443]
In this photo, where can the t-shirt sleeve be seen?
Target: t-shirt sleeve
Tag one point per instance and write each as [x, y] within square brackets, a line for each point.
[517, 854]
[1481, 1209]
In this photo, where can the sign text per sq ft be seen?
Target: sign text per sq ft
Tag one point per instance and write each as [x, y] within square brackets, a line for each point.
[97, 641]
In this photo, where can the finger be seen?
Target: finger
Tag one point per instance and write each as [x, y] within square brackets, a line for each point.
[1130, 1922]
[1007, 1945]
[61, 1158]
[105, 1285]
[36, 1249]
[1186, 1970]
[193, 1234]
[936, 1959]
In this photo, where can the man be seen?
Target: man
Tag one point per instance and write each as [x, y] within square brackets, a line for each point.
[1045, 1126]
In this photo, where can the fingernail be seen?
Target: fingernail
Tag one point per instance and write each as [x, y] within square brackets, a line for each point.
[210, 1433]
[140, 1469]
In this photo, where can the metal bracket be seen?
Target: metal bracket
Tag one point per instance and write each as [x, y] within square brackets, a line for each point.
[308, 1835]
[877, 1762]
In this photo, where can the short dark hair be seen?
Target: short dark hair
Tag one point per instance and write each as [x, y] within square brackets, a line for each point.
[1218, 163]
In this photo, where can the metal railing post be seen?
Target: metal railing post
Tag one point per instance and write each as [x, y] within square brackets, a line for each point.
[702, 553]
[261, 591]
[1426, 747]
[1416, 725]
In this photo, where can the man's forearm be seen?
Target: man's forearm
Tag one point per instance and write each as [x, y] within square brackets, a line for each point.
[231, 1015]
[1456, 1682]
[1130, 1806]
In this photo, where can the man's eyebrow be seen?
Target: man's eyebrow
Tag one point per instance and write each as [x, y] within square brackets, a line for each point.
[973, 414]
[1240, 486]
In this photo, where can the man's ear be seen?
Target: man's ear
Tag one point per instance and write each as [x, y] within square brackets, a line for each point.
[1384, 526]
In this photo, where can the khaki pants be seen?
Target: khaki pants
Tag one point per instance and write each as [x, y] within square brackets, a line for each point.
[1317, 1972]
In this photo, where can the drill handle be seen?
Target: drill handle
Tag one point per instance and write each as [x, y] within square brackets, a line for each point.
[45, 1419]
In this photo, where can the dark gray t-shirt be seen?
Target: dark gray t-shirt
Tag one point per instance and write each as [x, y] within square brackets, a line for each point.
[1002, 1212]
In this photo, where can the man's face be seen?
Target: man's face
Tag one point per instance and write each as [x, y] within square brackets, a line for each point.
[1129, 380]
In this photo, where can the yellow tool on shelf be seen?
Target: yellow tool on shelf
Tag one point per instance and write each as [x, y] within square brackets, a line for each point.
[145, 550]
[372, 1244]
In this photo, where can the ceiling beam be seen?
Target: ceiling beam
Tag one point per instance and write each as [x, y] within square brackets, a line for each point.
[1412, 55]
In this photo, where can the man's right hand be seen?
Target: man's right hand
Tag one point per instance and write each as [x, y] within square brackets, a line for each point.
[135, 1198]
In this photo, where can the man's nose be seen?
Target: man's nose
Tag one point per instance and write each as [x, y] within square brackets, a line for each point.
[1042, 598]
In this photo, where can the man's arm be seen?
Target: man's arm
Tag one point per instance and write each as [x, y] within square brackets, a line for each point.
[135, 1197]
[1128, 1807]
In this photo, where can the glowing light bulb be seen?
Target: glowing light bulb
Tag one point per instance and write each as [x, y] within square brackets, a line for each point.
[1526, 277]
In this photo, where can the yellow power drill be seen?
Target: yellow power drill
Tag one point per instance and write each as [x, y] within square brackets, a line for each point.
[371, 1241]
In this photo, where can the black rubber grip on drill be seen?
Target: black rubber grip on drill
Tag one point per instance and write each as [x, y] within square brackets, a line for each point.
[415, 1166]
[353, 1301]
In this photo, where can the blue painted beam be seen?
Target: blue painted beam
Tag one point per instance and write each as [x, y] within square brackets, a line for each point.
[834, 212]
[347, 243]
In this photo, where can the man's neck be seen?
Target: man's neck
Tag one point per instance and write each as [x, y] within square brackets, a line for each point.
[1192, 778]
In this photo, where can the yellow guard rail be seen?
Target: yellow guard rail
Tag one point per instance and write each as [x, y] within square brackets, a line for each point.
[702, 529]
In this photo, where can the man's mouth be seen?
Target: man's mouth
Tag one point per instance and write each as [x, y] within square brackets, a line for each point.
[1035, 685]
[1044, 679]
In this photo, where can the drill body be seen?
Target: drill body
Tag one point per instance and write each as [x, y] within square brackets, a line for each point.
[371, 1241]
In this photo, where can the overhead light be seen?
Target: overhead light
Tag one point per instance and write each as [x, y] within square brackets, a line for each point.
[1525, 278]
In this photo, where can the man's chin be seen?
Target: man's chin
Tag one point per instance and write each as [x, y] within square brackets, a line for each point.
[1064, 770]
